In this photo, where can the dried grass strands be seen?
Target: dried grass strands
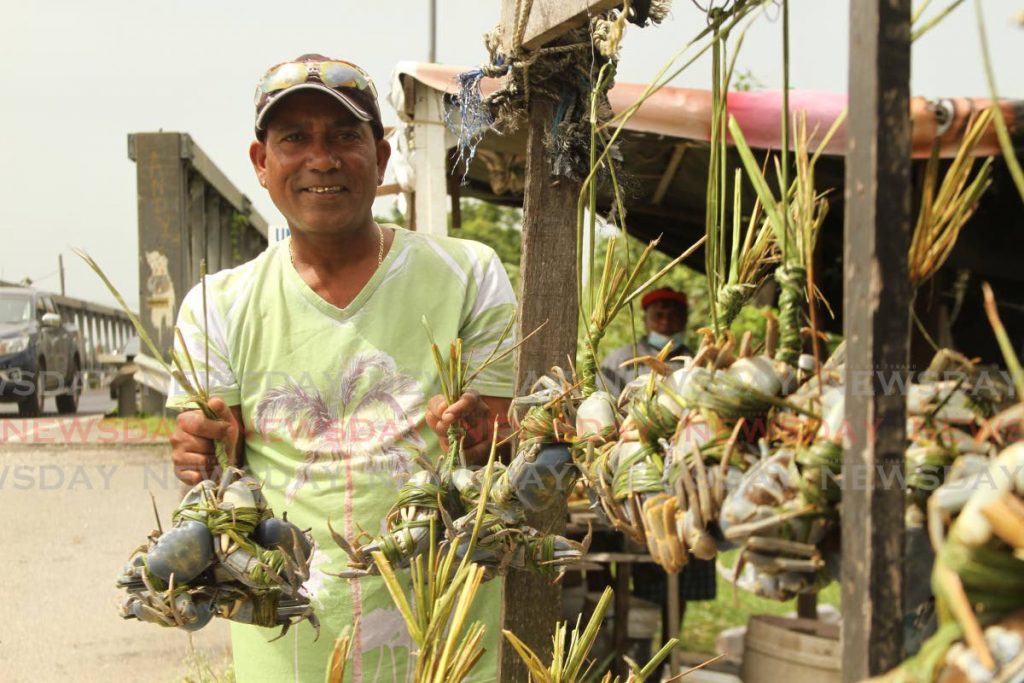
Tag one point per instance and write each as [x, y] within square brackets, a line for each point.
[573, 665]
[443, 590]
[1005, 143]
[599, 308]
[795, 225]
[733, 280]
[198, 392]
[922, 28]
[946, 206]
[617, 285]
[340, 654]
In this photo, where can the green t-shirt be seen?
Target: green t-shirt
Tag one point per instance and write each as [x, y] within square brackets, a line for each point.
[333, 402]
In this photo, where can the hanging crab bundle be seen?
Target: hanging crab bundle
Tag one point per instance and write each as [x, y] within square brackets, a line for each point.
[440, 510]
[949, 415]
[977, 520]
[688, 425]
[226, 555]
[438, 506]
[784, 507]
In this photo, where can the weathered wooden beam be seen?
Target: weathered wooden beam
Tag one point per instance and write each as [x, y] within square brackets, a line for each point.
[185, 211]
[876, 301]
[164, 275]
[670, 172]
[549, 19]
[531, 605]
[429, 158]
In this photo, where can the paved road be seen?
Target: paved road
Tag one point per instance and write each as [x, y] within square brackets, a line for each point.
[82, 428]
[92, 402]
[70, 518]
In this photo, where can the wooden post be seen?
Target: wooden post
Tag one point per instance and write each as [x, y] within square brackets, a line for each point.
[807, 606]
[876, 302]
[429, 161]
[163, 262]
[184, 201]
[531, 606]
[551, 18]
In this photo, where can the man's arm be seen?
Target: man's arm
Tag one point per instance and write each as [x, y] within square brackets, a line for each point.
[477, 416]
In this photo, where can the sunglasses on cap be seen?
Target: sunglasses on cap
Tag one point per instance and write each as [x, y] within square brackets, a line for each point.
[333, 74]
[345, 81]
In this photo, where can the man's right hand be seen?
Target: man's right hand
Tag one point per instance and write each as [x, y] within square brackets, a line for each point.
[192, 443]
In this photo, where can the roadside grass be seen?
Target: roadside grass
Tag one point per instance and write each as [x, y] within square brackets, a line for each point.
[200, 668]
[705, 620]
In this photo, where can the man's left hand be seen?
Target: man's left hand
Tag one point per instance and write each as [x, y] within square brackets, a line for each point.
[476, 415]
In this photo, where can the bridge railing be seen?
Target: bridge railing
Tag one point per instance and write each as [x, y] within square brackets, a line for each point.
[101, 329]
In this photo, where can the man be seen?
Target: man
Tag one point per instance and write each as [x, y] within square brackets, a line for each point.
[322, 367]
[665, 313]
[664, 321]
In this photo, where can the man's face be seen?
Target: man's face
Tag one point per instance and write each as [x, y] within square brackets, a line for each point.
[664, 317]
[320, 164]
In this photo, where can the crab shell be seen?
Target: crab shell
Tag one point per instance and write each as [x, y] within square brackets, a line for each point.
[597, 419]
[673, 383]
[199, 496]
[772, 378]
[550, 476]
[1004, 475]
[185, 551]
[244, 493]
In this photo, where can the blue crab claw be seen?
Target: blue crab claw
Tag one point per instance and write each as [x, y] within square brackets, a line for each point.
[280, 533]
[197, 614]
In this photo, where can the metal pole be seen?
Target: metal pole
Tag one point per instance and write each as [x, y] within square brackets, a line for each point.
[60, 262]
[432, 54]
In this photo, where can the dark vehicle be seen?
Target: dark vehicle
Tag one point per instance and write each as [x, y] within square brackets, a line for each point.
[39, 354]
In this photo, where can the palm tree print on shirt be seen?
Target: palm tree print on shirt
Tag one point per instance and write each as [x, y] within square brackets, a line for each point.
[367, 421]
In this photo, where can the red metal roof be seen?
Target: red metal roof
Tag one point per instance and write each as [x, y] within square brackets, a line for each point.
[686, 112]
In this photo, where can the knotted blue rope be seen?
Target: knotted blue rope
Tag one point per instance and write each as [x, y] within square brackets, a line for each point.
[474, 116]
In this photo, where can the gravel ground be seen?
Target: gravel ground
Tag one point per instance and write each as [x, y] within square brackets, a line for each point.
[71, 517]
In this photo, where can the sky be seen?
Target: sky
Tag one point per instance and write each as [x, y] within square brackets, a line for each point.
[81, 76]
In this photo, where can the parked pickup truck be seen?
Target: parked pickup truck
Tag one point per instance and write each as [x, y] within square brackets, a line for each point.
[40, 355]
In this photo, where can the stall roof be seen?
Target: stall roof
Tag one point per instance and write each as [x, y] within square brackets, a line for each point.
[665, 155]
[686, 112]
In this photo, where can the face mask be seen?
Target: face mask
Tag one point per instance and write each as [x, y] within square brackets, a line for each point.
[659, 340]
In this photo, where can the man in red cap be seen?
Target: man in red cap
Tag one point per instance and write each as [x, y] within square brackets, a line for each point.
[665, 312]
[322, 370]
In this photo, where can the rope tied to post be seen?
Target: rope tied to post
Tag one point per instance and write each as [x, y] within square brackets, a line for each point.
[557, 72]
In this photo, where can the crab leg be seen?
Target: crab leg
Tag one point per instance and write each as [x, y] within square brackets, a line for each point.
[703, 489]
[960, 605]
[1006, 515]
[780, 545]
[692, 497]
[751, 528]
[723, 468]
[776, 565]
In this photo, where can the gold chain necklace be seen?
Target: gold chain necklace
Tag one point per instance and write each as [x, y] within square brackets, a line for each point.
[380, 247]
